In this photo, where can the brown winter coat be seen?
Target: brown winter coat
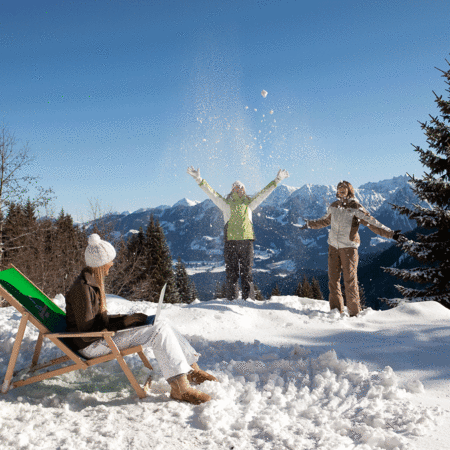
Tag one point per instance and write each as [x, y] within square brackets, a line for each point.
[83, 310]
[345, 216]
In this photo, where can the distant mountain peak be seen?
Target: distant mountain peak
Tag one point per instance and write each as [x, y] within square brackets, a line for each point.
[185, 202]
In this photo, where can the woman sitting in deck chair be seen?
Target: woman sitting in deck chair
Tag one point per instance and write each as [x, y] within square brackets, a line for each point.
[86, 311]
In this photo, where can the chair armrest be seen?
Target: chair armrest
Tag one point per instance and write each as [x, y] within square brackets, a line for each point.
[78, 334]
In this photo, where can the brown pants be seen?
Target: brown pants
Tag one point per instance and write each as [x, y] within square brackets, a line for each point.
[343, 260]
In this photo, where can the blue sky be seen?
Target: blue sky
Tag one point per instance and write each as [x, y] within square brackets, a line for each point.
[117, 97]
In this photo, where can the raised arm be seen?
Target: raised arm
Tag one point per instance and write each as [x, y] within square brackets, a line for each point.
[323, 222]
[264, 193]
[373, 224]
[217, 199]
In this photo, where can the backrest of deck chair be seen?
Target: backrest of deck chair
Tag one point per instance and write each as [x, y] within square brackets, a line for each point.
[33, 300]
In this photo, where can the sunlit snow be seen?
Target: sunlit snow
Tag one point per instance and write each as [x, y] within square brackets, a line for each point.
[293, 375]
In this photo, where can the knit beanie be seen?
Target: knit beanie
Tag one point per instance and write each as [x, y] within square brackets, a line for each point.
[98, 252]
[239, 184]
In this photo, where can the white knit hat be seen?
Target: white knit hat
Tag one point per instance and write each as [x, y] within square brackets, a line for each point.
[239, 184]
[98, 252]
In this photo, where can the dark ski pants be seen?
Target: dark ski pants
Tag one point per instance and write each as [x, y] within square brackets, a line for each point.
[343, 260]
[238, 257]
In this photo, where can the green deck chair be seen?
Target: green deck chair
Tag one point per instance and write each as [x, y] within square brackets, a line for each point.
[50, 320]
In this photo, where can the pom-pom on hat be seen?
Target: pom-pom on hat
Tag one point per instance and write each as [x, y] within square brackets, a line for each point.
[98, 252]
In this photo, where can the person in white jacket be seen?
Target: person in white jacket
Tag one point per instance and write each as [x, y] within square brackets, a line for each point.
[345, 215]
[239, 235]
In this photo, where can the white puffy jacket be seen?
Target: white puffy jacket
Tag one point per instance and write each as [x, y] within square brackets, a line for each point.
[345, 216]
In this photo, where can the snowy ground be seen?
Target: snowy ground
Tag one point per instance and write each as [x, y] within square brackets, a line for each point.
[293, 375]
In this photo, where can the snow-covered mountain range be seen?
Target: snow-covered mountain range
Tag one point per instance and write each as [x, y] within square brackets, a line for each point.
[194, 230]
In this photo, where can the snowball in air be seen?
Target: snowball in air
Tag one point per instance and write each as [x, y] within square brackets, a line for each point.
[264, 93]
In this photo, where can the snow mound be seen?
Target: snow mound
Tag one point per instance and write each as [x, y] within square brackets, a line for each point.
[420, 311]
[323, 402]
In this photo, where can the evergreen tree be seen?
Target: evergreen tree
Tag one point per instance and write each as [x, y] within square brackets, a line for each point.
[193, 292]
[182, 283]
[68, 250]
[362, 296]
[224, 289]
[158, 265]
[258, 294]
[129, 267]
[299, 290]
[218, 291]
[432, 250]
[306, 288]
[316, 292]
[275, 291]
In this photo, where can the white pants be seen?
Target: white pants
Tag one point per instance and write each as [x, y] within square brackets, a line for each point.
[172, 351]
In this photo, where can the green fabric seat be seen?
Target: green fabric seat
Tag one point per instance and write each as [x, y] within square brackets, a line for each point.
[31, 298]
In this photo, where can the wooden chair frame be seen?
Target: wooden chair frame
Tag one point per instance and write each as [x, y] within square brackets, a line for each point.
[77, 361]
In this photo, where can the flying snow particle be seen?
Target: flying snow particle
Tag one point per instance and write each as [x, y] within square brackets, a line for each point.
[256, 109]
[246, 107]
[264, 93]
[271, 111]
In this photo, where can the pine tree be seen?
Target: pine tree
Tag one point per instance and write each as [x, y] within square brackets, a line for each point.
[299, 290]
[275, 291]
[432, 250]
[218, 291]
[258, 294]
[362, 296]
[306, 288]
[182, 283]
[193, 292]
[129, 267]
[68, 250]
[158, 265]
[316, 292]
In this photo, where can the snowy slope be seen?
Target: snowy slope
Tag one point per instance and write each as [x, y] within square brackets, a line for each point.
[293, 375]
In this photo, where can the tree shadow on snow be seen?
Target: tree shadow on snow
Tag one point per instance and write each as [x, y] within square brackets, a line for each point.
[424, 349]
[224, 305]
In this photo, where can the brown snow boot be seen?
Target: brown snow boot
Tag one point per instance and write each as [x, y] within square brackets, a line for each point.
[198, 376]
[181, 390]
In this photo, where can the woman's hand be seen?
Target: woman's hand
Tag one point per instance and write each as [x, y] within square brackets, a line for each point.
[281, 175]
[195, 174]
[135, 319]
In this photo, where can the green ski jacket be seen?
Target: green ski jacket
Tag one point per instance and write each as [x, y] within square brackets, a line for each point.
[237, 211]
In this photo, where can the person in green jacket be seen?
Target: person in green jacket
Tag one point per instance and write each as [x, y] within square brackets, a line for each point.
[239, 235]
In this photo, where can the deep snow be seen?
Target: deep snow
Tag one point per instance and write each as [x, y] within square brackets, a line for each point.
[293, 375]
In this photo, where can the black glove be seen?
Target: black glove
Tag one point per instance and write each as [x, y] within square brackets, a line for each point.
[135, 320]
[305, 226]
[398, 235]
